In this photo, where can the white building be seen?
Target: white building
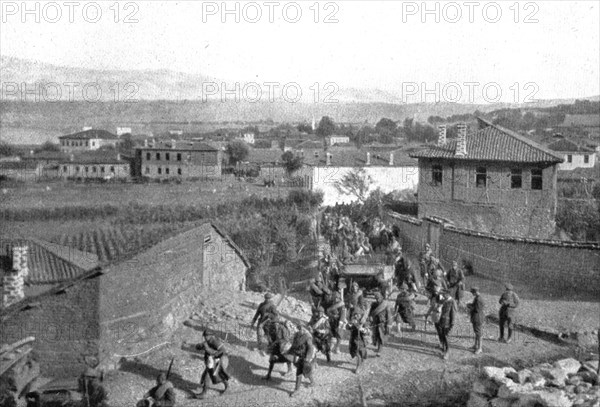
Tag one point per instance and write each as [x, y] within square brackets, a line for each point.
[574, 156]
[123, 130]
[88, 140]
[333, 140]
[248, 138]
[323, 170]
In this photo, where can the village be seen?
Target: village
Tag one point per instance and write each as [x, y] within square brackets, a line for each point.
[143, 242]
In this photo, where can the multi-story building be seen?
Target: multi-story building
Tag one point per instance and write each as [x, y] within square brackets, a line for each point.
[490, 180]
[88, 140]
[178, 159]
[97, 165]
[574, 156]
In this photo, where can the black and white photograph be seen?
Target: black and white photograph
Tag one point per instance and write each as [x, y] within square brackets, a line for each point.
[299, 203]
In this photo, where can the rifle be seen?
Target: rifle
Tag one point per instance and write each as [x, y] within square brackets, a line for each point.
[170, 366]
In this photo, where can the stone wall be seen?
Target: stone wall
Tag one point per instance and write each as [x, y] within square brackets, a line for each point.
[64, 324]
[551, 266]
[13, 280]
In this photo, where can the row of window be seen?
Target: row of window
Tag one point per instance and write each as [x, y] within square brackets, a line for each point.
[167, 156]
[77, 143]
[167, 171]
[481, 177]
[93, 168]
[586, 158]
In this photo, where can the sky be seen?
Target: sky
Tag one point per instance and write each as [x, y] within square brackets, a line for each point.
[548, 49]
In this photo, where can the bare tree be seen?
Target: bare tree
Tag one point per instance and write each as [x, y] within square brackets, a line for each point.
[356, 183]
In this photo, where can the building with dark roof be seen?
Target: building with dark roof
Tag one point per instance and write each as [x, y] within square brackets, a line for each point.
[21, 170]
[178, 159]
[94, 165]
[574, 156]
[120, 308]
[88, 140]
[490, 179]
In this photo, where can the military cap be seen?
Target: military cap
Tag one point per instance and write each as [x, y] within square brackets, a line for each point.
[404, 286]
[319, 278]
[161, 378]
[89, 372]
[320, 309]
[378, 296]
[508, 286]
[268, 296]
[474, 289]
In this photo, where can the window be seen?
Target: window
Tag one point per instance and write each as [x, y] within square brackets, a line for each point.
[480, 177]
[87, 143]
[178, 171]
[178, 156]
[102, 169]
[569, 158]
[94, 169]
[586, 159]
[112, 169]
[167, 170]
[147, 170]
[159, 170]
[77, 169]
[167, 156]
[536, 178]
[158, 156]
[87, 169]
[148, 156]
[516, 178]
[93, 143]
[436, 175]
[64, 168]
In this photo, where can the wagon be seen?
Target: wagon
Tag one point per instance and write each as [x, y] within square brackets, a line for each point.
[365, 274]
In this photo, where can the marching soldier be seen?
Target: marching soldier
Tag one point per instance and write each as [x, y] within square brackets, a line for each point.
[318, 290]
[304, 354]
[279, 347]
[321, 331]
[477, 315]
[404, 308]
[90, 386]
[266, 311]
[447, 314]
[381, 319]
[357, 343]
[509, 301]
[337, 318]
[161, 395]
[355, 294]
[216, 362]
[455, 278]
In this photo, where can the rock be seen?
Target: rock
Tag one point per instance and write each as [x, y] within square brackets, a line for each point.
[537, 379]
[555, 377]
[498, 402]
[497, 374]
[569, 389]
[554, 398]
[513, 392]
[520, 377]
[589, 377]
[591, 365]
[570, 365]
[376, 403]
[574, 380]
[485, 387]
[476, 400]
[583, 388]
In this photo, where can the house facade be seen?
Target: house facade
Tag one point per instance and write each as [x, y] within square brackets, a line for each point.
[389, 172]
[123, 307]
[574, 156]
[88, 140]
[490, 180]
[178, 159]
[101, 165]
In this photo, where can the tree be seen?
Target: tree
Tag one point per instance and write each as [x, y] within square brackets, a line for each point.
[355, 183]
[305, 128]
[237, 151]
[6, 150]
[291, 162]
[386, 127]
[326, 127]
[48, 146]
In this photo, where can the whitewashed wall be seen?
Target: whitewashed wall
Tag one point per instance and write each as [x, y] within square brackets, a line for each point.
[388, 179]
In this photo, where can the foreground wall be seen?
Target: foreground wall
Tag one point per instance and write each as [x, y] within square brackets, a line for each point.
[65, 327]
[550, 266]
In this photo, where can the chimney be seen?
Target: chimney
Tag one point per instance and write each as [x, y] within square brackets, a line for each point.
[441, 134]
[329, 157]
[145, 142]
[72, 157]
[173, 144]
[461, 144]
[368, 158]
[118, 156]
[391, 158]
[13, 281]
[302, 152]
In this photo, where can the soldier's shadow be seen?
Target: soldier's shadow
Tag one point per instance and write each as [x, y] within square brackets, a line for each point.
[415, 345]
[150, 373]
[252, 374]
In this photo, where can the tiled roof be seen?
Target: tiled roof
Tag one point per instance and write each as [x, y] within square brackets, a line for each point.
[353, 157]
[264, 156]
[181, 145]
[48, 263]
[90, 134]
[493, 143]
[568, 146]
[18, 165]
[94, 157]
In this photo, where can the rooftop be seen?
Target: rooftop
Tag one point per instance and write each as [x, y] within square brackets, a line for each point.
[564, 145]
[18, 165]
[94, 157]
[180, 145]
[353, 157]
[90, 134]
[48, 263]
[493, 143]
